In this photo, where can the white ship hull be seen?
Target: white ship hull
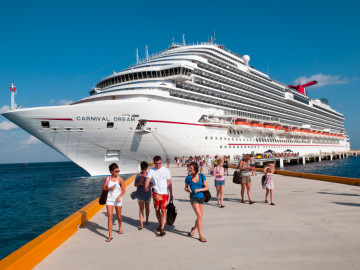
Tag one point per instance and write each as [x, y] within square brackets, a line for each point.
[81, 133]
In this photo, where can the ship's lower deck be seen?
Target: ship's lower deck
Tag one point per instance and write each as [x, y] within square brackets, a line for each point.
[136, 128]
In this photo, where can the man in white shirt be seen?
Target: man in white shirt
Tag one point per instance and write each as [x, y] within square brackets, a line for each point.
[160, 178]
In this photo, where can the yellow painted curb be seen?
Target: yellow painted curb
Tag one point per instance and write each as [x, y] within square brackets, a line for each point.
[29, 255]
[321, 177]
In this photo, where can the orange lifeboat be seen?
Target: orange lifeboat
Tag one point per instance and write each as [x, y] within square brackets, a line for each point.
[256, 126]
[279, 129]
[242, 125]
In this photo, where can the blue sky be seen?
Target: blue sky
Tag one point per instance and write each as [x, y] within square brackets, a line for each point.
[55, 51]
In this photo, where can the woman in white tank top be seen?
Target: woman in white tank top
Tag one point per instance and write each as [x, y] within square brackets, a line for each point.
[116, 189]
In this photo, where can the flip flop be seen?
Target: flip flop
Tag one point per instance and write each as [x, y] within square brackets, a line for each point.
[140, 228]
[121, 231]
[191, 234]
[108, 239]
[202, 240]
[272, 203]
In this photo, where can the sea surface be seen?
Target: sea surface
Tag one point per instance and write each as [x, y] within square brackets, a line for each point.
[37, 196]
[346, 167]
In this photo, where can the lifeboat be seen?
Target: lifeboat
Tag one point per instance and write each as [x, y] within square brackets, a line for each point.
[296, 131]
[256, 126]
[241, 125]
[279, 129]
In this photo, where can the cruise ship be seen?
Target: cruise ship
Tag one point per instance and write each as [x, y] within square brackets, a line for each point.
[190, 99]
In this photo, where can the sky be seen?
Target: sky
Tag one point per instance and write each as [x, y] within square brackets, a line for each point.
[56, 51]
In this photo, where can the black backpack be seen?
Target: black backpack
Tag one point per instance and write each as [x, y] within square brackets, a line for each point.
[171, 213]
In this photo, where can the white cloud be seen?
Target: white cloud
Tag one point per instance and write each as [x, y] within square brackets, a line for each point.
[7, 125]
[65, 102]
[31, 140]
[60, 102]
[324, 80]
[4, 108]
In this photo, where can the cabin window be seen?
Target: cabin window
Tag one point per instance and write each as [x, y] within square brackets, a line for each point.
[110, 124]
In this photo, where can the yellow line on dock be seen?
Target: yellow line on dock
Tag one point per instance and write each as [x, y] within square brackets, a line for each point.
[29, 255]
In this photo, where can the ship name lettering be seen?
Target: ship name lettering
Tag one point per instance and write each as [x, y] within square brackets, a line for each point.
[124, 119]
[92, 118]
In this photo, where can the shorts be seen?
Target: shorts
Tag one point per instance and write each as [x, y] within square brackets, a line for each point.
[160, 201]
[196, 200]
[252, 165]
[140, 200]
[114, 203]
[219, 183]
[245, 179]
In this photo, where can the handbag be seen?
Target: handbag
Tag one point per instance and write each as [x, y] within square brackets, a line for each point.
[237, 178]
[207, 194]
[263, 178]
[104, 194]
[171, 213]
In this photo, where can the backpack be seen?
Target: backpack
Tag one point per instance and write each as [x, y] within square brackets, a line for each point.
[171, 213]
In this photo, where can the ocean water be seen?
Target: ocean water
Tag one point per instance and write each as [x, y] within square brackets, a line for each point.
[346, 167]
[37, 196]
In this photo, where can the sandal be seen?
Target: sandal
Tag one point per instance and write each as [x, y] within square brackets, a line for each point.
[272, 203]
[158, 229]
[266, 201]
[162, 232]
[203, 240]
[251, 202]
[243, 201]
[190, 233]
[140, 228]
[108, 239]
[222, 206]
[121, 231]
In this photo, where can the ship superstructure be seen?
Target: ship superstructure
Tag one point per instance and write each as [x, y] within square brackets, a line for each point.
[187, 100]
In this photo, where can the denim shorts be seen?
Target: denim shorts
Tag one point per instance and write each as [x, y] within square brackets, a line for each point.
[219, 183]
[196, 200]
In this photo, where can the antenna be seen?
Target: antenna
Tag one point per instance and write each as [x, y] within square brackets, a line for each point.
[13, 92]
[173, 42]
[146, 53]
[137, 56]
[184, 43]
[214, 36]
[267, 68]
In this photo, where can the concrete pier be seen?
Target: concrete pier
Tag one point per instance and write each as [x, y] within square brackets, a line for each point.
[314, 225]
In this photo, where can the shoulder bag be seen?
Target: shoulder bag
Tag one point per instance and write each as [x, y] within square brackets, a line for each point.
[237, 177]
[104, 194]
[207, 194]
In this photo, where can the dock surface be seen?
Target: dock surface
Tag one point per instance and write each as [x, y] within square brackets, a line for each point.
[314, 225]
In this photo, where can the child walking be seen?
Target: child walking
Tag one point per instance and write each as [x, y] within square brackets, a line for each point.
[269, 183]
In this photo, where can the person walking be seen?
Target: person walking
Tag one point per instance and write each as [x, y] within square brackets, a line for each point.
[252, 164]
[116, 189]
[269, 183]
[144, 197]
[196, 184]
[244, 166]
[226, 166]
[219, 183]
[161, 180]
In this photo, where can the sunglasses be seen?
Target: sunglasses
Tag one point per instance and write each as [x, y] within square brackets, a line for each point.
[157, 163]
[117, 171]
